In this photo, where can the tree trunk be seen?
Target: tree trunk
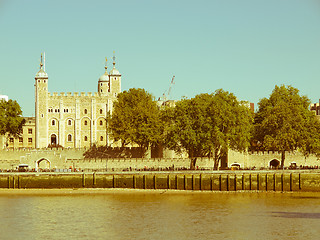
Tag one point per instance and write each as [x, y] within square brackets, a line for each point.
[224, 158]
[193, 163]
[216, 160]
[283, 156]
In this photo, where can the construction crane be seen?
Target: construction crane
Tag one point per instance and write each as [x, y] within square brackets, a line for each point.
[167, 97]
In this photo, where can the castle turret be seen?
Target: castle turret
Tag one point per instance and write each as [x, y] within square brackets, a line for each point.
[115, 79]
[41, 101]
[104, 82]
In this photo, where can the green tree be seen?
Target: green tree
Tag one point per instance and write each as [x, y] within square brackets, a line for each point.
[285, 123]
[11, 121]
[209, 124]
[136, 119]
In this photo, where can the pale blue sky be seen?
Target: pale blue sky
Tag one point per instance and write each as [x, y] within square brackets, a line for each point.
[243, 46]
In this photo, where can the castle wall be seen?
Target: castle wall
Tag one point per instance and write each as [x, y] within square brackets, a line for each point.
[62, 159]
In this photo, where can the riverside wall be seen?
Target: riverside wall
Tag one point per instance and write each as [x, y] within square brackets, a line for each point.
[73, 158]
[277, 181]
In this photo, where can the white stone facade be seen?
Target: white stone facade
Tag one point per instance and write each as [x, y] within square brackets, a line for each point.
[74, 120]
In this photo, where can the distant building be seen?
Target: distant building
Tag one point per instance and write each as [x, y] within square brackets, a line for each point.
[315, 107]
[74, 120]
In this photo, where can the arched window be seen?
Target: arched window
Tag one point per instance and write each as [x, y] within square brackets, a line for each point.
[69, 122]
[85, 138]
[101, 138]
[53, 122]
[85, 111]
[69, 138]
[86, 122]
[100, 111]
[101, 123]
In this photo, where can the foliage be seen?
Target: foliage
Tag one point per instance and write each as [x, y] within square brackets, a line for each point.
[11, 121]
[209, 124]
[98, 152]
[136, 119]
[285, 123]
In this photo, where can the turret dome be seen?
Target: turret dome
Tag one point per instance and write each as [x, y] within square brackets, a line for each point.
[41, 74]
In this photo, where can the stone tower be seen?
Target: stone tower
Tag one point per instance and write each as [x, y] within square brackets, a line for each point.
[104, 83]
[41, 102]
[115, 79]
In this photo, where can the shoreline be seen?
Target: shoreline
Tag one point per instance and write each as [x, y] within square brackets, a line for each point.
[116, 191]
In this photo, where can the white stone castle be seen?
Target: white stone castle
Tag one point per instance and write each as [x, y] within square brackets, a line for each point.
[74, 120]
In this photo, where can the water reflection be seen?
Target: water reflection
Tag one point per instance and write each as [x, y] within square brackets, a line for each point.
[142, 215]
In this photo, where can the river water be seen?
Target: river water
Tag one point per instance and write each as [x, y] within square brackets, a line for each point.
[129, 214]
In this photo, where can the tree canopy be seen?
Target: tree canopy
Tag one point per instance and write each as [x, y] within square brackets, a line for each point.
[285, 123]
[11, 120]
[209, 124]
[136, 119]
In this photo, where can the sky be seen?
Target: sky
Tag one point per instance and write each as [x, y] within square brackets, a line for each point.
[245, 47]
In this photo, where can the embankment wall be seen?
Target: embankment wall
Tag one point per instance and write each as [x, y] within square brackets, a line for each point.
[226, 181]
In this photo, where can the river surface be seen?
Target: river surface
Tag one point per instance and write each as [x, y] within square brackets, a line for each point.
[130, 214]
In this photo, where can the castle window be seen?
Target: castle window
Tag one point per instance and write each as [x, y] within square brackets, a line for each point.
[42, 115]
[20, 140]
[100, 111]
[85, 111]
[86, 122]
[101, 123]
[44, 81]
[56, 110]
[29, 130]
[85, 138]
[101, 138]
[29, 140]
[53, 122]
[115, 78]
[69, 122]
[69, 138]
[11, 140]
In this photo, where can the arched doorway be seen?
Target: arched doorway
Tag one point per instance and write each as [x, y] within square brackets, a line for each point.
[43, 163]
[53, 139]
[274, 163]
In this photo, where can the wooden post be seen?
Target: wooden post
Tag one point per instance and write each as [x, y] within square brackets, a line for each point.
[291, 182]
[168, 181]
[220, 182]
[235, 182]
[155, 182]
[299, 181]
[274, 182]
[144, 182]
[134, 185]
[185, 182]
[176, 181]
[282, 182]
[243, 186]
[266, 181]
[94, 179]
[19, 179]
[8, 181]
[211, 183]
[83, 180]
[193, 182]
[200, 182]
[258, 181]
[228, 180]
[250, 182]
